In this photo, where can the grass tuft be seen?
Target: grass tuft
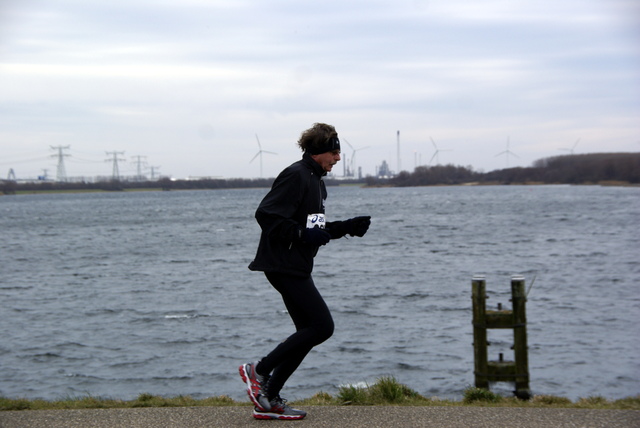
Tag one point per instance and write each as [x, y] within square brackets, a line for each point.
[474, 395]
[352, 394]
[629, 403]
[550, 400]
[386, 390]
[594, 402]
[17, 404]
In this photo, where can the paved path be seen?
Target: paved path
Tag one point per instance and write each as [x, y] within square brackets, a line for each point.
[325, 417]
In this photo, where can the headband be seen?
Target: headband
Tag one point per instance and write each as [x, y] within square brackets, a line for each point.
[330, 145]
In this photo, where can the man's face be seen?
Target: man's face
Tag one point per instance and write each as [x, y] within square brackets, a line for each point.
[327, 159]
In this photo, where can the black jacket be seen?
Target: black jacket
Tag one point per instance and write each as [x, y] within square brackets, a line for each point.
[282, 215]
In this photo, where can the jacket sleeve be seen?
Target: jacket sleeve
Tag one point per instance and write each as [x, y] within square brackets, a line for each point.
[277, 211]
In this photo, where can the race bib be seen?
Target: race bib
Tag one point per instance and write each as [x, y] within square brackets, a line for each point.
[315, 220]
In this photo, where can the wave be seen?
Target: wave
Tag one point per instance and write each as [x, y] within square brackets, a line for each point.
[107, 296]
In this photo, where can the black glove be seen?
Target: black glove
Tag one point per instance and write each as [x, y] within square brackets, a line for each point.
[358, 226]
[315, 236]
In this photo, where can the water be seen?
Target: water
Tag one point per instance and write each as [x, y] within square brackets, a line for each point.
[117, 294]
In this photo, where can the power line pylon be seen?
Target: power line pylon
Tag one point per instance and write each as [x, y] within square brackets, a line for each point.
[61, 173]
[115, 159]
[154, 170]
[139, 163]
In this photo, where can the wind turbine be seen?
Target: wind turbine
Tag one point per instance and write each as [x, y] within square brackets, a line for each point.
[260, 152]
[436, 155]
[572, 148]
[353, 157]
[507, 152]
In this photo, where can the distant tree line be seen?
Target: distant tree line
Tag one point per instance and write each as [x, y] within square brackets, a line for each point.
[568, 169]
[435, 175]
[591, 168]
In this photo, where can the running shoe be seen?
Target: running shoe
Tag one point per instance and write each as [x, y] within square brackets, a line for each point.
[279, 410]
[255, 385]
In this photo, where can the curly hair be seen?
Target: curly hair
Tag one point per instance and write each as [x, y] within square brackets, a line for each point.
[320, 138]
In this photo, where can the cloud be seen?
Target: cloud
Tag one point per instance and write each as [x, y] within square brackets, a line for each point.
[189, 83]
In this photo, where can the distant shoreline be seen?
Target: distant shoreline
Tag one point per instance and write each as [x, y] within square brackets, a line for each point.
[18, 191]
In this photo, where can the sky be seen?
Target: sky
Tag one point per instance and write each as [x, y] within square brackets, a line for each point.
[195, 88]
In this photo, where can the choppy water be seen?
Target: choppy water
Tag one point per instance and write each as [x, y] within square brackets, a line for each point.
[118, 294]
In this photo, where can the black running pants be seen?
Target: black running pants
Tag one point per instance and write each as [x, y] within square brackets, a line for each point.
[313, 323]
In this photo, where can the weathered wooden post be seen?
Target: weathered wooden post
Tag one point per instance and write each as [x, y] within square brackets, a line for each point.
[501, 371]
[518, 300]
[479, 296]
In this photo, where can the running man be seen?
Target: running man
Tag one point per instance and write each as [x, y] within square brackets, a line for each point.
[294, 227]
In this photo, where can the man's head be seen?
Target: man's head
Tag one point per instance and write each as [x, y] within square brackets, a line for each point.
[322, 143]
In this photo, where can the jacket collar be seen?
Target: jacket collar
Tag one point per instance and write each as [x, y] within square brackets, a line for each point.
[315, 166]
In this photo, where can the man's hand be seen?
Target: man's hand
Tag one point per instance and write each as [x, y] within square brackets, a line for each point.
[315, 236]
[358, 226]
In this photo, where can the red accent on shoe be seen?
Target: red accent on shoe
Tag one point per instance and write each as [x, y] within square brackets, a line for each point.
[248, 375]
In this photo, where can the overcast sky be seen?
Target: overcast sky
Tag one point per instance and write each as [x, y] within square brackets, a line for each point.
[186, 85]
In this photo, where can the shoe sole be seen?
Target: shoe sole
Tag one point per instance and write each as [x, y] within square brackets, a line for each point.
[268, 415]
[247, 380]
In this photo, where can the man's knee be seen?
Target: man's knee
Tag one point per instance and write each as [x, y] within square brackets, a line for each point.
[324, 331]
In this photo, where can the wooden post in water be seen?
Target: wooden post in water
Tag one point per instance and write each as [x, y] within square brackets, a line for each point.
[479, 296]
[520, 349]
[501, 371]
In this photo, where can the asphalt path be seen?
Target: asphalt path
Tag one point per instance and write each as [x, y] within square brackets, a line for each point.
[324, 416]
